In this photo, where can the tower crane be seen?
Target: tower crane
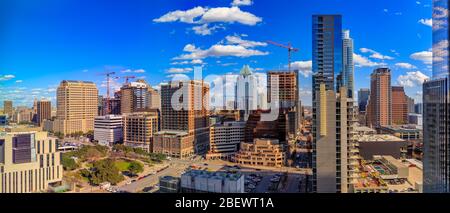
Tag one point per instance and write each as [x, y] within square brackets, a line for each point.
[290, 49]
[108, 82]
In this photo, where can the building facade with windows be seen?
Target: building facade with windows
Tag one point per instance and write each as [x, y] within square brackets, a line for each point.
[29, 162]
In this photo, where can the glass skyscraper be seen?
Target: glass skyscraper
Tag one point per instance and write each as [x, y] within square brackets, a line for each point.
[436, 107]
[348, 66]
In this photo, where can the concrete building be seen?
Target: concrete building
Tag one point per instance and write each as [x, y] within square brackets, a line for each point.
[399, 104]
[108, 129]
[29, 162]
[43, 111]
[288, 97]
[184, 107]
[395, 175]
[363, 97]
[262, 152]
[379, 107]
[225, 139]
[23, 115]
[139, 129]
[177, 144]
[8, 108]
[77, 105]
[195, 181]
[255, 127]
[405, 132]
[381, 144]
[137, 97]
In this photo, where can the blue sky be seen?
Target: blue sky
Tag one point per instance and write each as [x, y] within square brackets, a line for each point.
[46, 41]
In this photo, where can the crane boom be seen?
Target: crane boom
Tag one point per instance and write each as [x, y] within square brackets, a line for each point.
[289, 48]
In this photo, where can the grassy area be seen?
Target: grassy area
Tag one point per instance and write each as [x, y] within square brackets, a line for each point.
[122, 165]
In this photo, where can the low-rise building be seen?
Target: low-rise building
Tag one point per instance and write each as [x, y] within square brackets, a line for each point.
[398, 175]
[139, 128]
[262, 152]
[169, 184]
[225, 139]
[214, 182]
[29, 162]
[406, 132]
[381, 144]
[108, 129]
[177, 144]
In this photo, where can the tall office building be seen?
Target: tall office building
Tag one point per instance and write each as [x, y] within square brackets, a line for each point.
[436, 107]
[77, 106]
[43, 111]
[137, 97]
[8, 108]
[29, 162]
[139, 129]
[399, 106]
[184, 107]
[246, 91]
[363, 97]
[347, 63]
[333, 115]
[379, 107]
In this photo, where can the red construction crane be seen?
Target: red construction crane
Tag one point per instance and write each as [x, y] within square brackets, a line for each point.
[290, 49]
[108, 81]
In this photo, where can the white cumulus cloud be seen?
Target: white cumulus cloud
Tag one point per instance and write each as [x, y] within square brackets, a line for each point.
[424, 56]
[235, 39]
[375, 54]
[200, 15]
[361, 61]
[218, 50]
[304, 67]
[179, 70]
[427, 22]
[412, 79]
[405, 65]
[241, 3]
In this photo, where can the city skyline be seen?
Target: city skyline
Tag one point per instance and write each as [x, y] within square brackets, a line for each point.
[74, 47]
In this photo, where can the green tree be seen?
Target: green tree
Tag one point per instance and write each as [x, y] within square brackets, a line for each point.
[105, 170]
[135, 168]
[68, 162]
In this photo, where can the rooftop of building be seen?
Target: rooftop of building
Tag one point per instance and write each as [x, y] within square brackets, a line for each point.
[109, 117]
[401, 128]
[388, 172]
[75, 81]
[20, 128]
[169, 179]
[230, 123]
[363, 129]
[378, 138]
[215, 175]
[172, 133]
